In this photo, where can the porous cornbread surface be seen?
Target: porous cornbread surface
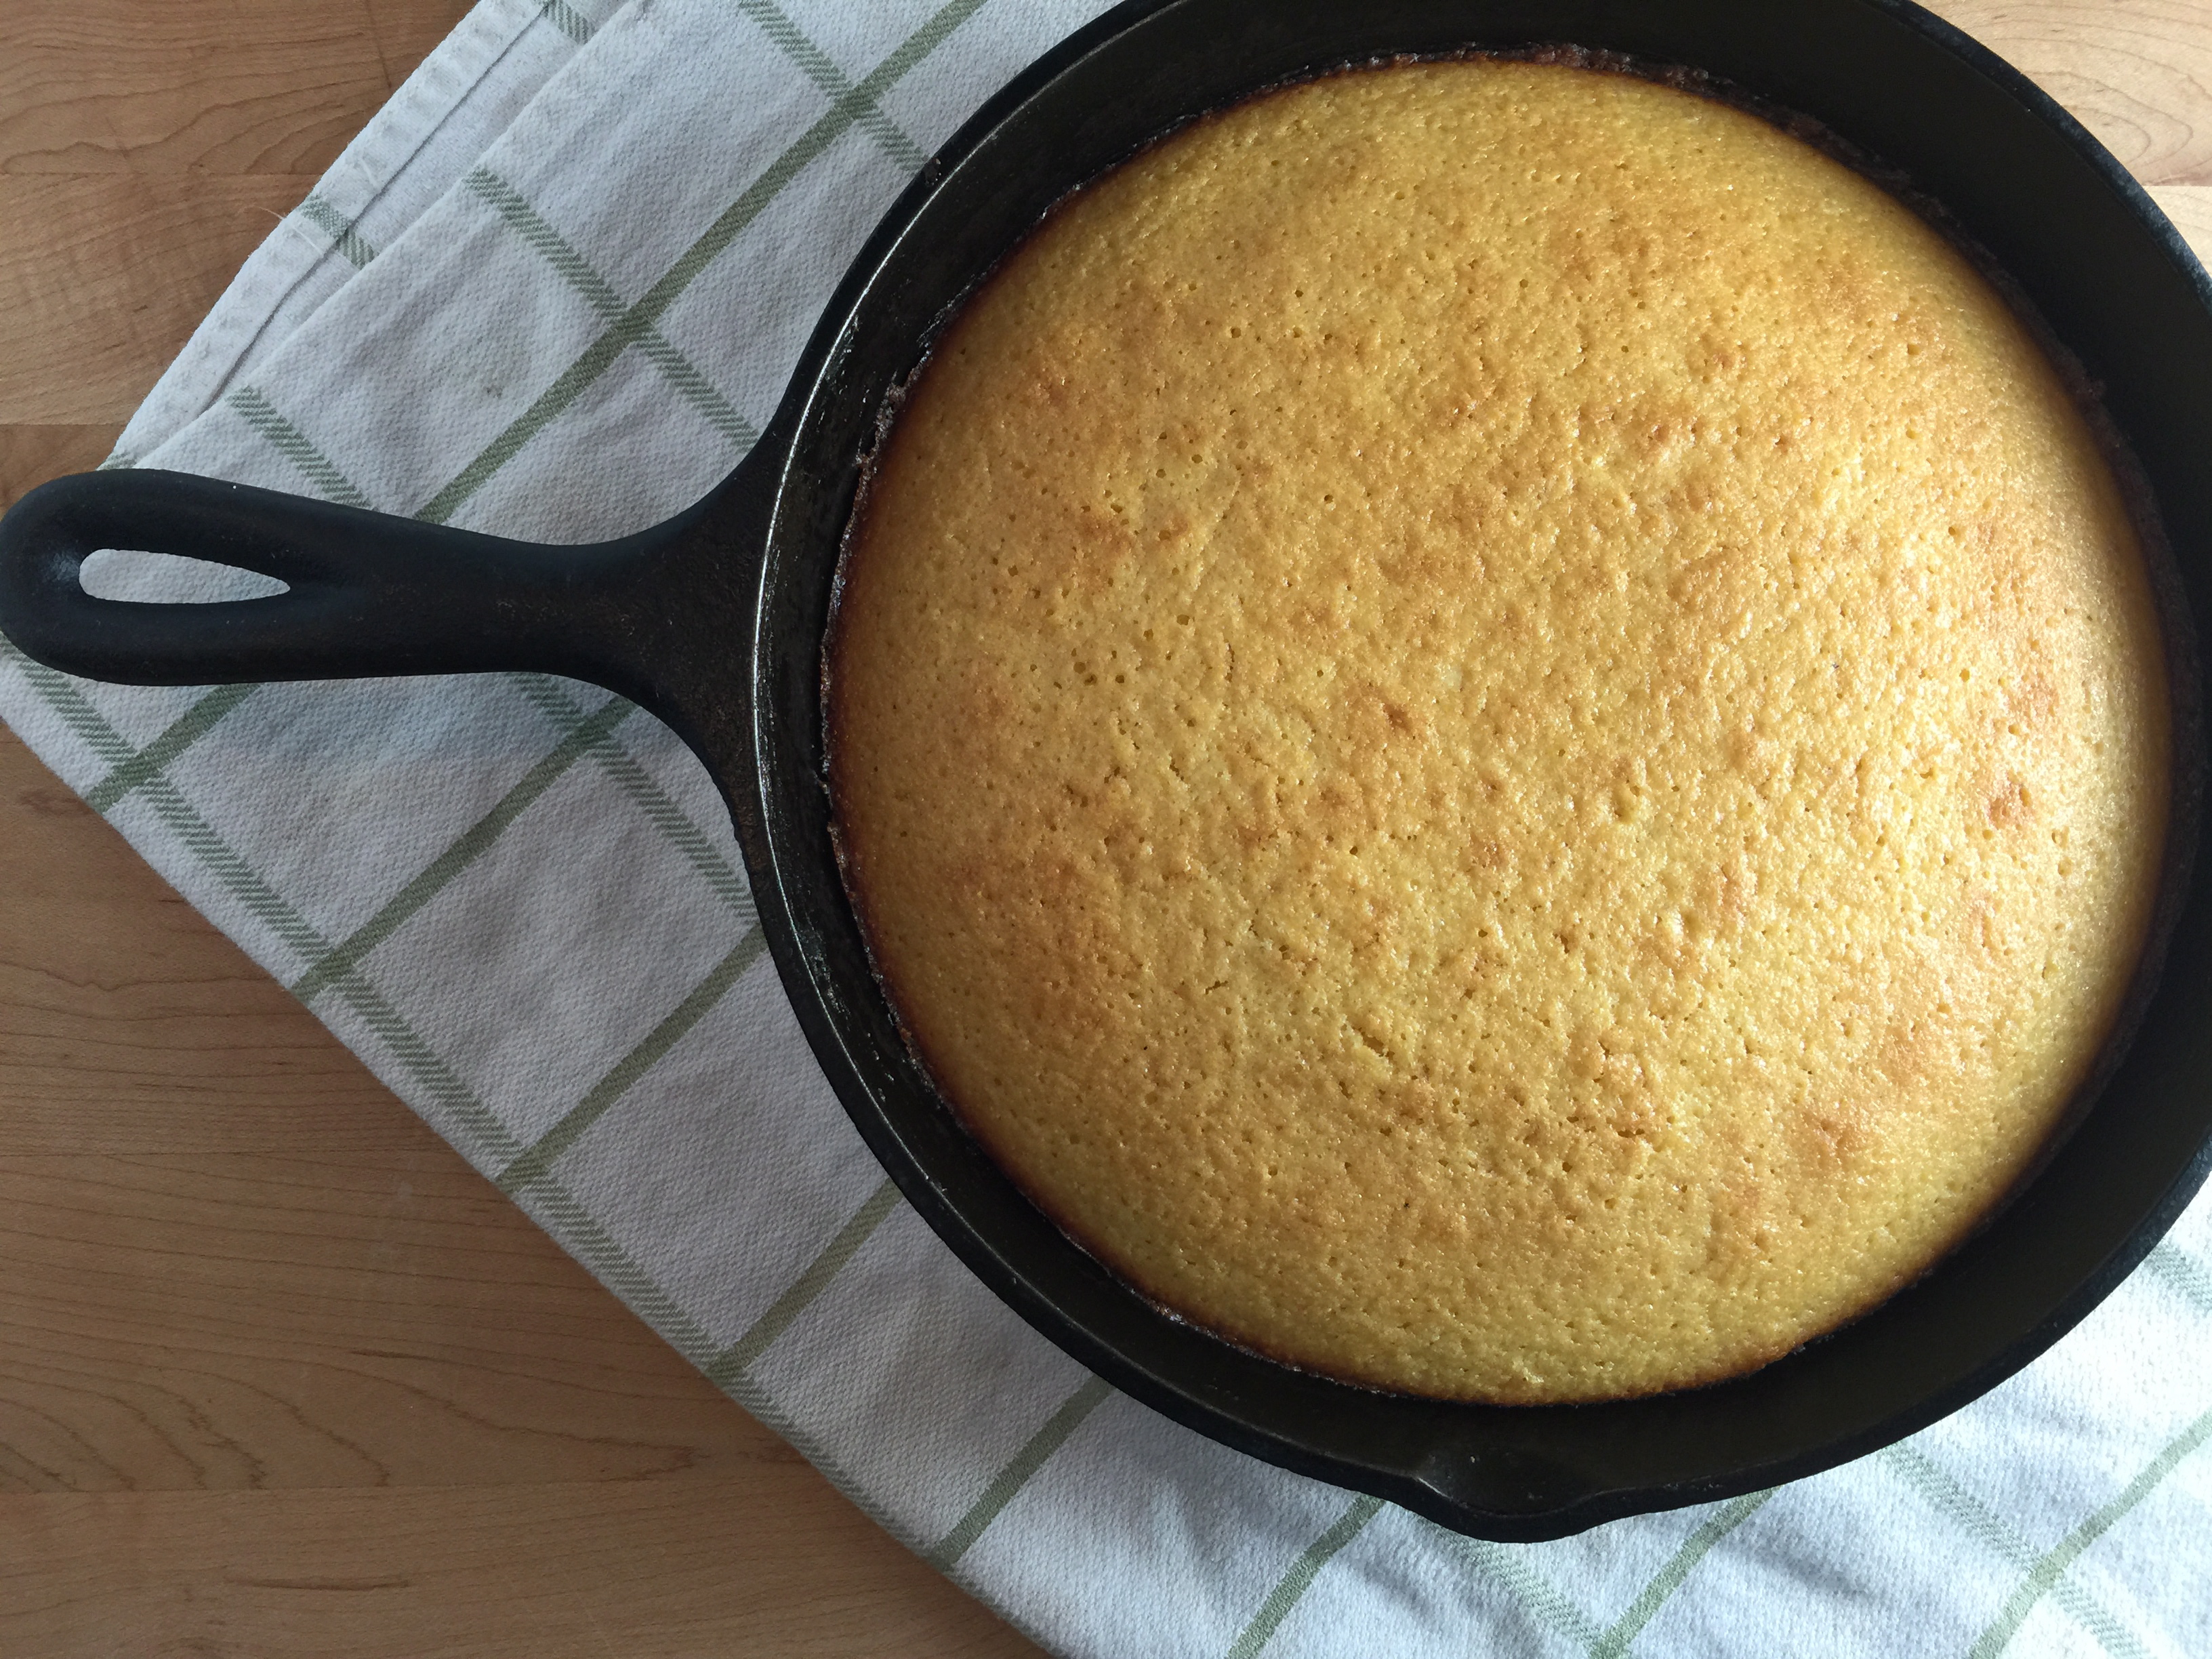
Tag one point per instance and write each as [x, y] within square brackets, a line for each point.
[1499, 731]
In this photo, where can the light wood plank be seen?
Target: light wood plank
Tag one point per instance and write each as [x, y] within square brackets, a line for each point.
[30, 455]
[405, 30]
[104, 277]
[749, 1564]
[251, 1320]
[2137, 73]
[274, 86]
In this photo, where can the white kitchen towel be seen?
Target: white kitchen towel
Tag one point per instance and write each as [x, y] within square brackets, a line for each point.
[553, 290]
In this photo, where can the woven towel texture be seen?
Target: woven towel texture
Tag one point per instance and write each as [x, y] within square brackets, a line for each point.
[552, 291]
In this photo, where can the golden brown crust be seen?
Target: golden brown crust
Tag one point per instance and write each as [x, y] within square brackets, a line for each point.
[1500, 731]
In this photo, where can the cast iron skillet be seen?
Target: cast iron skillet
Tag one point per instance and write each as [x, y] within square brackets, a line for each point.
[714, 622]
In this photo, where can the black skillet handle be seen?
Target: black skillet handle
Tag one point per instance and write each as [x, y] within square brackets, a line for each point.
[368, 595]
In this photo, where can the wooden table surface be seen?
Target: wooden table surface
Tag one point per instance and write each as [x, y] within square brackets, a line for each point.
[279, 1374]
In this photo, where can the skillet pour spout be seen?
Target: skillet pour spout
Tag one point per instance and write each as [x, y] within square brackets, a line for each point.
[713, 621]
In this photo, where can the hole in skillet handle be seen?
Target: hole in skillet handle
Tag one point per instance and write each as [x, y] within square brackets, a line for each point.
[135, 575]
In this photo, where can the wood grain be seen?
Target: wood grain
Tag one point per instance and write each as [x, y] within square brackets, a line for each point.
[102, 274]
[753, 1564]
[145, 150]
[425, 1335]
[2137, 73]
[31, 453]
[243, 87]
[278, 1373]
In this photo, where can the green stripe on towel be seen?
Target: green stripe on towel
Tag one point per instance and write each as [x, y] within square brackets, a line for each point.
[1007, 1483]
[1294, 1583]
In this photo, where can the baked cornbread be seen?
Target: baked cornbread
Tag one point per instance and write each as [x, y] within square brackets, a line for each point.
[1500, 731]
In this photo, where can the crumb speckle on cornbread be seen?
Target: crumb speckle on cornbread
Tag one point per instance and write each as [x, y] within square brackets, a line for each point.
[1499, 731]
